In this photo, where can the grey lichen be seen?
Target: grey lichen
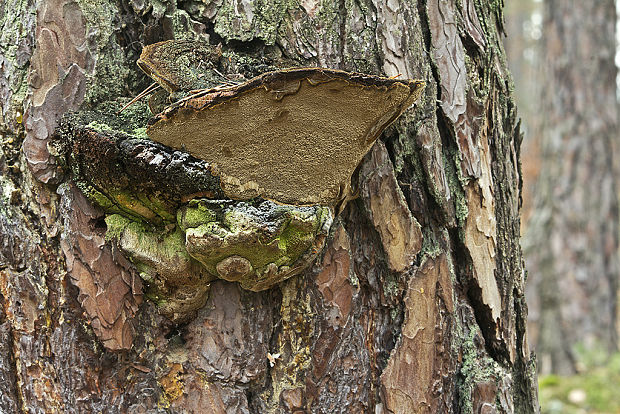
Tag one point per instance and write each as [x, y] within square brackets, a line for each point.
[247, 20]
[477, 368]
[17, 21]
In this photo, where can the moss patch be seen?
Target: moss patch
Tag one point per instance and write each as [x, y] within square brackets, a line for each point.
[116, 224]
[196, 215]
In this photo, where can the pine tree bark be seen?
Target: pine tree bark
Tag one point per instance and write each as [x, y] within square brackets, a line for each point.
[415, 305]
[572, 239]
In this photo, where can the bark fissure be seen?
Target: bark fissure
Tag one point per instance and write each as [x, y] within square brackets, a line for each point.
[12, 359]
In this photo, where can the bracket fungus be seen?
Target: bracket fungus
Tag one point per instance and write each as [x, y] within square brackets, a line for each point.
[270, 160]
[256, 244]
[294, 136]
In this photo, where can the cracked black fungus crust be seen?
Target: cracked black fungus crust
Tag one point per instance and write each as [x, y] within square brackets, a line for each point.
[126, 173]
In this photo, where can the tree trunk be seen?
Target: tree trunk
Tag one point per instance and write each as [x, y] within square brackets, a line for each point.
[572, 239]
[415, 305]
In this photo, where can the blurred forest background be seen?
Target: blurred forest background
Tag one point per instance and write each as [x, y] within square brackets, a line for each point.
[564, 58]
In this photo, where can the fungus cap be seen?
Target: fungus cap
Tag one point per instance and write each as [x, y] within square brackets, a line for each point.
[294, 136]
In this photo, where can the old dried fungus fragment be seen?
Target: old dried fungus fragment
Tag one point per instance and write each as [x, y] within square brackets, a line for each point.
[411, 382]
[400, 233]
[294, 136]
[182, 65]
[256, 244]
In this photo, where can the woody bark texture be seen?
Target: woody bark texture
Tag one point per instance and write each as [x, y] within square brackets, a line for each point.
[416, 303]
[573, 238]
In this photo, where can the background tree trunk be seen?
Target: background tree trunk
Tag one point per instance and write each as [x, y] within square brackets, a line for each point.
[523, 32]
[572, 238]
[378, 324]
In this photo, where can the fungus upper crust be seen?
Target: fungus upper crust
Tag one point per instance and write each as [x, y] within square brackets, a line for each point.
[294, 136]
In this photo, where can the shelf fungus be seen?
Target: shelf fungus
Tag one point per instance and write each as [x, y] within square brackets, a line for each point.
[256, 244]
[239, 181]
[294, 136]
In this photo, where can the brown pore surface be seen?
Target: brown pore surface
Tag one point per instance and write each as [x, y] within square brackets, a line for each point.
[293, 136]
